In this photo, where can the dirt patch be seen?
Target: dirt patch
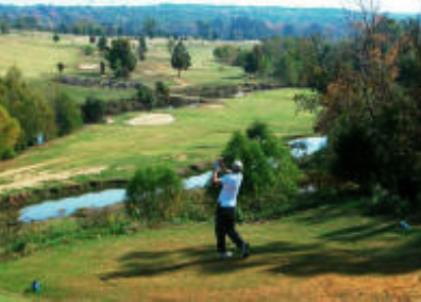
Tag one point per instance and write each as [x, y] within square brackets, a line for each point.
[31, 179]
[213, 106]
[152, 119]
[88, 67]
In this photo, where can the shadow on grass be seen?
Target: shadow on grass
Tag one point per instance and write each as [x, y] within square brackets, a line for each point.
[286, 258]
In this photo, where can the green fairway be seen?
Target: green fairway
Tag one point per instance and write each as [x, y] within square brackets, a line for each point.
[330, 253]
[117, 149]
[37, 55]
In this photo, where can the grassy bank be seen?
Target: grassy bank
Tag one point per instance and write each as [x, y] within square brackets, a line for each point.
[328, 253]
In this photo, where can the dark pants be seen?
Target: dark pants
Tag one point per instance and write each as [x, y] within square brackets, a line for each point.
[225, 225]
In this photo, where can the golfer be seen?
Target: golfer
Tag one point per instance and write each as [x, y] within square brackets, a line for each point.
[225, 212]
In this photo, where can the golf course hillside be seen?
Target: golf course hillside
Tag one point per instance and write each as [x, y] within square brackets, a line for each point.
[259, 154]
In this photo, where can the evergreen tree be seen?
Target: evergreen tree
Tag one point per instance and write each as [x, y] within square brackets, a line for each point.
[180, 59]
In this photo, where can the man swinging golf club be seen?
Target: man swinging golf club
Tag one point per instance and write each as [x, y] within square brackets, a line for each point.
[225, 212]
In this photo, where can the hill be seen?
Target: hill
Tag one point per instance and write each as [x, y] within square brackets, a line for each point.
[206, 21]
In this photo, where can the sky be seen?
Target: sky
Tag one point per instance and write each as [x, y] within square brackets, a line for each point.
[398, 6]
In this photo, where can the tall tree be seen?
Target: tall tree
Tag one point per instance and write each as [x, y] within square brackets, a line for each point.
[121, 58]
[150, 27]
[142, 48]
[102, 43]
[180, 59]
[9, 133]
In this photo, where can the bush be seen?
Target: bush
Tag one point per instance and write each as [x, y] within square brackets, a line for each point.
[154, 194]
[88, 50]
[9, 133]
[146, 97]
[93, 111]
[227, 54]
[68, 114]
[352, 153]
[270, 174]
[162, 92]
[385, 203]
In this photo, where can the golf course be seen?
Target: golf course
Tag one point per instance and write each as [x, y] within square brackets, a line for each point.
[326, 241]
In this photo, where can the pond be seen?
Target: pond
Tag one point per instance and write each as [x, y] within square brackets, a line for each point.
[306, 146]
[67, 206]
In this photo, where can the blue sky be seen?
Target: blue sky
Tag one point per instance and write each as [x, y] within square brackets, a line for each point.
[408, 6]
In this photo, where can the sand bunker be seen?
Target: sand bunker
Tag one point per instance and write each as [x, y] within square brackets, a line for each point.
[152, 119]
[88, 67]
[213, 106]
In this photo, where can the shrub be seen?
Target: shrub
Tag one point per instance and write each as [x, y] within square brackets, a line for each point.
[227, 54]
[352, 153]
[68, 114]
[88, 50]
[93, 111]
[270, 174]
[385, 203]
[154, 194]
[146, 97]
[162, 92]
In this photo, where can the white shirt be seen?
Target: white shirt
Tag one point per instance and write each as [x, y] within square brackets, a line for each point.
[231, 184]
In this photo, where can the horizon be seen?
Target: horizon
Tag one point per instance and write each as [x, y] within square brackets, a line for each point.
[387, 6]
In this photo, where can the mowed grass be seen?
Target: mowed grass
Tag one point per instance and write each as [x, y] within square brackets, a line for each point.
[36, 55]
[329, 253]
[198, 135]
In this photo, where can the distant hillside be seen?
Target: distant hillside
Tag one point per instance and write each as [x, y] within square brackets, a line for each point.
[207, 21]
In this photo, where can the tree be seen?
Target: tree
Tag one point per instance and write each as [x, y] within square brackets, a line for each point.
[68, 114]
[60, 67]
[180, 59]
[102, 43]
[150, 27]
[4, 27]
[9, 133]
[102, 67]
[170, 45]
[92, 39]
[28, 106]
[56, 38]
[121, 58]
[142, 48]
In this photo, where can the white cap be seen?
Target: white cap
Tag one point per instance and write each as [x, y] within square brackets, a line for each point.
[238, 165]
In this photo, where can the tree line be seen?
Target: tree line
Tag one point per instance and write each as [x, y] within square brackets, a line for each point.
[366, 94]
[237, 23]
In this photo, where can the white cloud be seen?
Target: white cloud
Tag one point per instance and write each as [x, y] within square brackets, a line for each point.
[409, 6]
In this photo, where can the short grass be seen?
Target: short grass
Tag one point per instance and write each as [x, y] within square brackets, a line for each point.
[328, 253]
[198, 135]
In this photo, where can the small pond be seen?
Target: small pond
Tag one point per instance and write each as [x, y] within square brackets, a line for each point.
[67, 206]
[306, 146]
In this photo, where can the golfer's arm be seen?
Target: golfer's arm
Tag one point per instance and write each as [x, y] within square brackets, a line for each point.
[215, 178]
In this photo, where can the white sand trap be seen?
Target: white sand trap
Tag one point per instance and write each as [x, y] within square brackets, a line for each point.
[152, 119]
[213, 106]
[88, 67]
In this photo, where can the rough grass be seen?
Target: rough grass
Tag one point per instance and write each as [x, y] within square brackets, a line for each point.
[197, 135]
[328, 253]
